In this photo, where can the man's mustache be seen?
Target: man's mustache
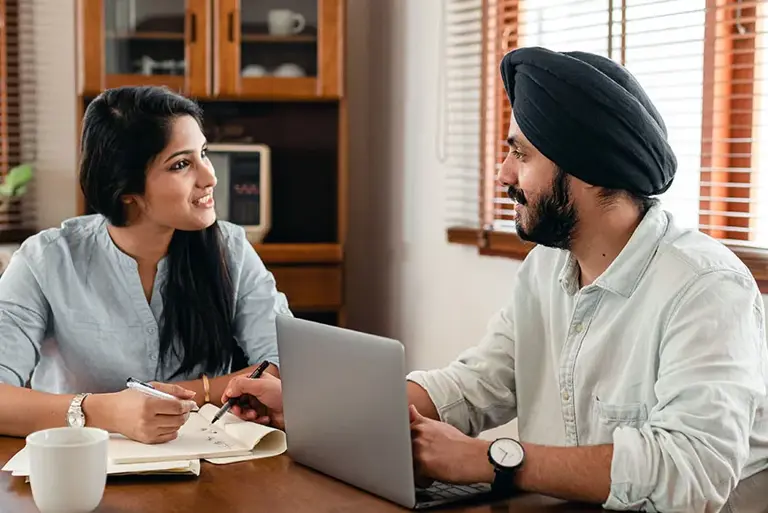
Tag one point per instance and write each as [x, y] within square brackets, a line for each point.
[516, 195]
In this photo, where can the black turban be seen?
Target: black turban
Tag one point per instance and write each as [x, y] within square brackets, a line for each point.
[589, 115]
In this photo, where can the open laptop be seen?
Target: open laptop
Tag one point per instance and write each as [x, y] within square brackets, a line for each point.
[346, 412]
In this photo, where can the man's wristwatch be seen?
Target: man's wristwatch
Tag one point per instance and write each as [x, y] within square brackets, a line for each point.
[506, 455]
[75, 415]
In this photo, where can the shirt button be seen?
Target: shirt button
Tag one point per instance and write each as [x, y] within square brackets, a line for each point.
[566, 395]
[153, 357]
[151, 329]
[578, 327]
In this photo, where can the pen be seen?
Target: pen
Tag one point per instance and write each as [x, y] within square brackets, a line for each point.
[148, 389]
[233, 400]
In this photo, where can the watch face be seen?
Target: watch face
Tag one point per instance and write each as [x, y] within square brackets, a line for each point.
[506, 453]
[75, 420]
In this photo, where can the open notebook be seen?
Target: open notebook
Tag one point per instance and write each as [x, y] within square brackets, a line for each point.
[229, 440]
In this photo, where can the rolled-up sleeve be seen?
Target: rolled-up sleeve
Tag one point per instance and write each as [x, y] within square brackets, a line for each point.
[477, 391]
[258, 304]
[690, 453]
[24, 314]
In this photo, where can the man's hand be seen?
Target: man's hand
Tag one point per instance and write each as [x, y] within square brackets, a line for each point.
[261, 400]
[443, 453]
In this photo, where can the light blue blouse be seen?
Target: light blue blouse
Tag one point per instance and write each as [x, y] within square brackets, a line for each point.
[74, 317]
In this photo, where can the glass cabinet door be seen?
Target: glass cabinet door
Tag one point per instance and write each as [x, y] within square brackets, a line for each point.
[278, 38]
[274, 48]
[144, 37]
[157, 42]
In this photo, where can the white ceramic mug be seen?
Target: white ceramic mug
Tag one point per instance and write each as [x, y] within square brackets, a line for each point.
[68, 468]
[284, 22]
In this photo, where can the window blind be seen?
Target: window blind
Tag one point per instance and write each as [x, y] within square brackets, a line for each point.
[18, 118]
[459, 95]
[702, 62]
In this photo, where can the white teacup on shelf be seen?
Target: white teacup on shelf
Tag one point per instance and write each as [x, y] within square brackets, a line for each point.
[284, 22]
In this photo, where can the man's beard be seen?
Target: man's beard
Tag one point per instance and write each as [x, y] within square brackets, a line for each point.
[552, 220]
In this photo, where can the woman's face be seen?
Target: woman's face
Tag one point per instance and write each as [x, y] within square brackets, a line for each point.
[179, 186]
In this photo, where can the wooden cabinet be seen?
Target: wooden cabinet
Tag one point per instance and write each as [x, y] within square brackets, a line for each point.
[227, 49]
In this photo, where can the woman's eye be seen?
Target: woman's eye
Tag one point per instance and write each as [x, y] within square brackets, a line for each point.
[204, 153]
[517, 154]
[178, 166]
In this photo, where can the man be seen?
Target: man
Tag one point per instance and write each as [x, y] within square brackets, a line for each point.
[632, 352]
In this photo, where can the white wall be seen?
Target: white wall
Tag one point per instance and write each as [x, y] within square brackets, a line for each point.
[57, 136]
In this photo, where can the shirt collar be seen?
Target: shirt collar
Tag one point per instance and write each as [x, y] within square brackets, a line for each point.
[626, 271]
[123, 259]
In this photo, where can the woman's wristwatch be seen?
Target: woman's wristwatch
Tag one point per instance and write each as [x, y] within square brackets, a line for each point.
[75, 414]
[506, 455]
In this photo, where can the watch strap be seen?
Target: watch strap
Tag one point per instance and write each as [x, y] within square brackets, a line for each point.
[76, 406]
[77, 401]
[504, 482]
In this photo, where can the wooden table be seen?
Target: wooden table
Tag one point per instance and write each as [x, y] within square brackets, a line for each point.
[274, 484]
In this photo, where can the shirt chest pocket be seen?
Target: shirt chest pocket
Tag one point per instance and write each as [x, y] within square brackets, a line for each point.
[608, 416]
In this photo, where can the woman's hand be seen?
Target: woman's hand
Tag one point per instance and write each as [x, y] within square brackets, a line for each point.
[260, 400]
[142, 417]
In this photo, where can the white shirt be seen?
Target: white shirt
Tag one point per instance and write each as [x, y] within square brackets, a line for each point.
[664, 356]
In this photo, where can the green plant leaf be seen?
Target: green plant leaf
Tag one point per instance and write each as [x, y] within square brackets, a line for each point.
[16, 181]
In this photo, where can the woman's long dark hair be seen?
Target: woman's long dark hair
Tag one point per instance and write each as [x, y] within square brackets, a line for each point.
[123, 130]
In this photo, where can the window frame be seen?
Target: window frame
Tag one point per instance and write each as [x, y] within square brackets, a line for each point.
[719, 76]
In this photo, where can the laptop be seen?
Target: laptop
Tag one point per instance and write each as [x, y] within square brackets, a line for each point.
[346, 412]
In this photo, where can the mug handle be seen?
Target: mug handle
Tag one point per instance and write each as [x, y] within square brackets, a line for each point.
[300, 22]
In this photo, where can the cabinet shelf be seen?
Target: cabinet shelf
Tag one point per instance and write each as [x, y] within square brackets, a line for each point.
[272, 253]
[269, 38]
[157, 36]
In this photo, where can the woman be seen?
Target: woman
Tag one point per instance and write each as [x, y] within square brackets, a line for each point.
[151, 287]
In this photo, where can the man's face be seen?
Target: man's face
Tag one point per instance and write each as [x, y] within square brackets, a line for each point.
[544, 209]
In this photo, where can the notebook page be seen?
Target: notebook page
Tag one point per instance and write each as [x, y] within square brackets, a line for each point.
[248, 433]
[265, 441]
[197, 439]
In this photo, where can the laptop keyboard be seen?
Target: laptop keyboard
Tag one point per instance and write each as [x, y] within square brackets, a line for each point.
[442, 492]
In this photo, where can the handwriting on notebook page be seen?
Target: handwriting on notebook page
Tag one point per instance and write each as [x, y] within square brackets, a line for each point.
[213, 436]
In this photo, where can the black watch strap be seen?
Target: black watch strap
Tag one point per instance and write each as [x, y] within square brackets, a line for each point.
[504, 483]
